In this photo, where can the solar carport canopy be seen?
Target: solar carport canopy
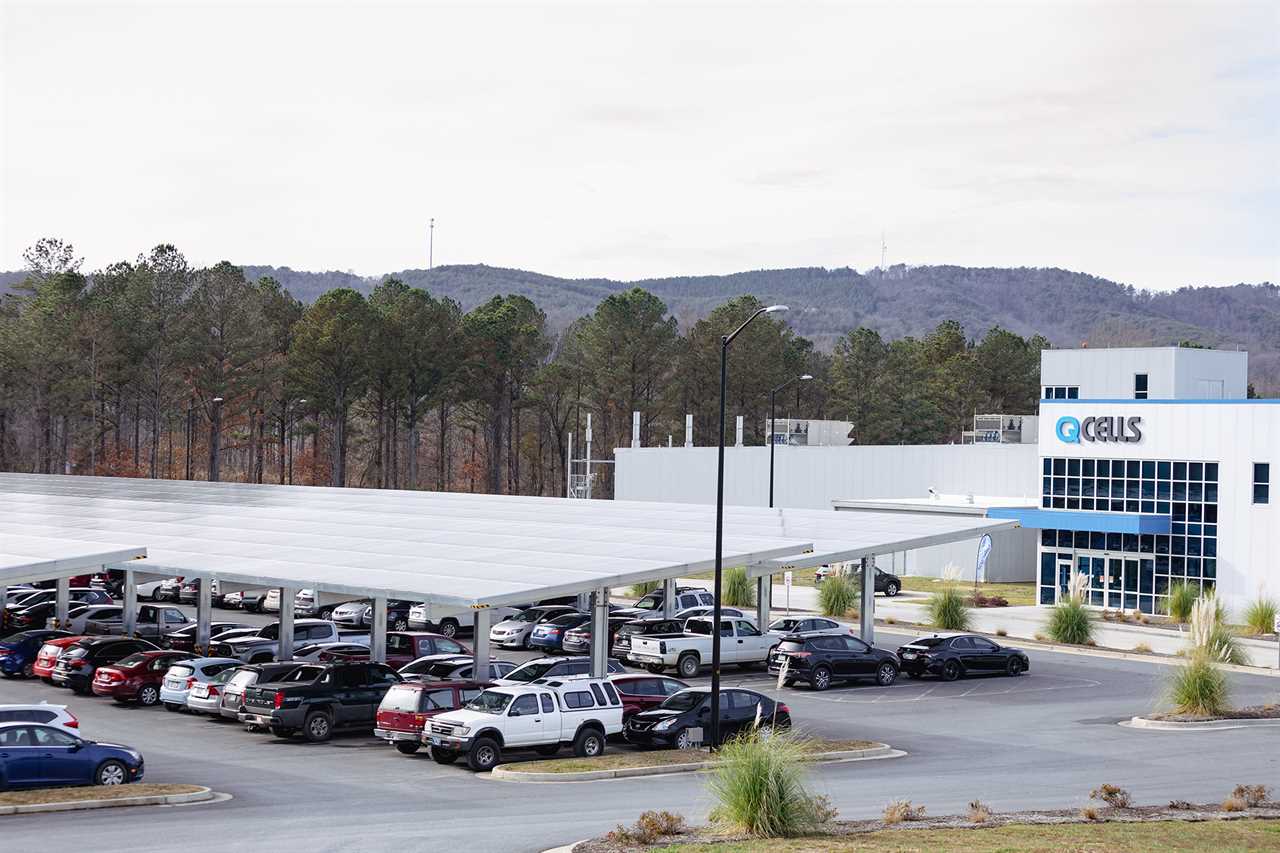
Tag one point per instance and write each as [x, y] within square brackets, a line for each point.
[25, 558]
[452, 551]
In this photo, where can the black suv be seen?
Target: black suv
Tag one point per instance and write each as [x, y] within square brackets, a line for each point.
[887, 583]
[819, 661]
[79, 661]
[316, 699]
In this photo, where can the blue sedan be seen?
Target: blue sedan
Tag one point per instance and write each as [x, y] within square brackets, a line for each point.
[18, 653]
[36, 756]
[550, 635]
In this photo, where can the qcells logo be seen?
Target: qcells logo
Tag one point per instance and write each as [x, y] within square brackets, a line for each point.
[1068, 429]
[1072, 431]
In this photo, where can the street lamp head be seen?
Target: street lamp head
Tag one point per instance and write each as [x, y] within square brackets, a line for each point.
[805, 377]
[217, 399]
[774, 309]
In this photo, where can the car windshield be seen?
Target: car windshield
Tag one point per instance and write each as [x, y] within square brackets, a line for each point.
[784, 625]
[567, 620]
[243, 677]
[270, 632]
[180, 670]
[75, 652]
[489, 702]
[530, 615]
[530, 671]
[686, 700]
[133, 659]
[630, 628]
[649, 602]
[928, 642]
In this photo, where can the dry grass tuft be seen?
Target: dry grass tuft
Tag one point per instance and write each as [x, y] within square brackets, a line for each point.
[1001, 632]
[1234, 804]
[650, 827]
[900, 811]
[1112, 795]
[1089, 813]
[1142, 648]
[979, 812]
[1253, 795]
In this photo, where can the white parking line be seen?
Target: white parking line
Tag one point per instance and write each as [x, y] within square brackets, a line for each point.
[888, 695]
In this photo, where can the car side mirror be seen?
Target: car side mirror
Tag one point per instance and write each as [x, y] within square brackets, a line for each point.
[704, 712]
[75, 747]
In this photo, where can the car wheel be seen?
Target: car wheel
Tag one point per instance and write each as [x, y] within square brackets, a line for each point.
[79, 689]
[407, 747]
[655, 668]
[46, 679]
[547, 749]
[173, 707]
[155, 595]
[401, 624]
[950, 671]
[449, 628]
[485, 755]
[588, 744]
[821, 678]
[886, 674]
[1014, 667]
[29, 670]
[8, 674]
[325, 613]
[110, 773]
[683, 741]
[688, 665]
[318, 728]
[148, 695]
[891, 590]
[440, 755]
[282, 732]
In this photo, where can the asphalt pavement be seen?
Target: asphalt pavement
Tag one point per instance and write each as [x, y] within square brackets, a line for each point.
[1042, 740]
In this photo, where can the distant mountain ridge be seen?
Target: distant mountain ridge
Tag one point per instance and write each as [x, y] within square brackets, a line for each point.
[1068, 308]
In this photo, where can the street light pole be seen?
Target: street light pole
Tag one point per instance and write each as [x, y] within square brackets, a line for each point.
[773, 429]
[715, 610]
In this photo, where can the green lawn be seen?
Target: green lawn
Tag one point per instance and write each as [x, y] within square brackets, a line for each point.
[1235, 836]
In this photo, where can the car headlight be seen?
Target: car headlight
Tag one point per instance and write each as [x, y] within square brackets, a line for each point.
[462, 730]
[664, 725]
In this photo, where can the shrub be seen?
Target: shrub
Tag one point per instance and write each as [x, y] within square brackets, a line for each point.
[1210, 635]
[1089, 813]
[639, 590]
[900, 811]
[1040, 637]
[1233, 804]
[759, 790]
[1252, 795]
[979, 812]
[1198, 688]
[1182, 597]
[1001, 632]
[1069, 623]
[981, 600]
[650, 827]
[838, 595]
[738, 590]
[948, 610]
[1181, 805]
[1142, 648]
[1260, 615]
[1112, 795]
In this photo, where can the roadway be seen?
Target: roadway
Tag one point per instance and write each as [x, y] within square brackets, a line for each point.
[1042, 740]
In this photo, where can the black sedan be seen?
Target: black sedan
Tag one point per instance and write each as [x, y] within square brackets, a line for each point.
[676, 721]
[960, 654]
[821, 660]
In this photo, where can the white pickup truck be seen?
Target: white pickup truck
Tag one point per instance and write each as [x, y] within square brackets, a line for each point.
[262, 647]
[740, 643]
[541, 716]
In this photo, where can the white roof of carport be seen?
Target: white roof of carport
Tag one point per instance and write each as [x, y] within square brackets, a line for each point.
[451, 550]
[31, 558]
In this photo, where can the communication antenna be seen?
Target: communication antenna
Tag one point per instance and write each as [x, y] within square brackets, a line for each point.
[883, 248]
[431, 245]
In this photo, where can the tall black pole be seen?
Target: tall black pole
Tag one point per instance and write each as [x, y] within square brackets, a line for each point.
[773, 439]
[190, 426]
[715, 608]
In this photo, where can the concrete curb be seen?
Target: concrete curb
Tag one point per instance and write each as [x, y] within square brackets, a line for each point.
[1197, 726]
[881, 750]
[86, 805]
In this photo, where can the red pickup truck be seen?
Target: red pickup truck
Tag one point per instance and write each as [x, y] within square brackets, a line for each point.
[407, 707]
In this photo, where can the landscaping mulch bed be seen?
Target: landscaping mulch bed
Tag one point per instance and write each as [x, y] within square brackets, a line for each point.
[1253, 712]
[1054, 817]
[92, 792]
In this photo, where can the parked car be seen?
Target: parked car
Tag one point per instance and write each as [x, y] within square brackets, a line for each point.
[232, 704]
[702, 611]
[669, 724]
[157, 590]
[18, 592]
[82, 614]
[110, 581]
[264, 646]
[350, 614]
[153, 622]
[887, 583]
[317, 699]
[184, 675]
[233, 601]
[452, 626]
[137, 677]
[18, 652]
[621, 646]
[451, 668]
[184, 639]
[544, 668]
[45, 714]
[38, 615]
[304, 604]
[271, 601]
[39, 756]
[549, 636]
[651, 604]
[581, 711]
[77, 594]
[47, 657]
[234, 634]
[820, 660]
[407, 707]
[80, 660]
[189, 592]
[359, 614]
[741, 643]
[955, 655]
[205, 697]
[328, 652]
[404, 647]
[577, 641]
[169, 590]
[806, 626]
[252, 600]
[514, 633]
[644, 692]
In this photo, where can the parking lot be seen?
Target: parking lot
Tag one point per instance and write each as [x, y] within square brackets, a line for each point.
[1042, 740]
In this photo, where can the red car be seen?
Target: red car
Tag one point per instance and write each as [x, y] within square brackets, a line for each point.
[643, 692]
[406, 708]
[47, 658]
[136, 677]
[407, 646]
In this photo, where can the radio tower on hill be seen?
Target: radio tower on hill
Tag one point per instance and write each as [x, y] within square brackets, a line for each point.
[431, 245]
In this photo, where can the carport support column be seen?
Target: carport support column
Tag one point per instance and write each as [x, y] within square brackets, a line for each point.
[62, 602]
[129, 600]
[480, 645]
[204, 615]
[378, 630]
[285, 651]
[764, 600]
[669, 598]
[867, 607]
[600, 633]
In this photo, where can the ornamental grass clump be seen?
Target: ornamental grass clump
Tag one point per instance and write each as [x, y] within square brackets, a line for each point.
[758, 787]
[1198, 688]
[838, 595]
[738, 590]
[1068, 619]
[1182, 597]
[1260, 615]
[948, 609]
[643, 588]
[1210, 636]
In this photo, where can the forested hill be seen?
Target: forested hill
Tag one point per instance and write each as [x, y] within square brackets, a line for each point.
[1066, 307]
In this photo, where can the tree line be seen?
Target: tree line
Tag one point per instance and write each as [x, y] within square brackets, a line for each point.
[155, 368]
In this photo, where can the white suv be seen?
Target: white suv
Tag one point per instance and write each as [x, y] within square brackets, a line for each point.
[542, 715]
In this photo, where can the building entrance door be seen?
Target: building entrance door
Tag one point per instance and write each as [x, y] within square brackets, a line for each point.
[1115, 583]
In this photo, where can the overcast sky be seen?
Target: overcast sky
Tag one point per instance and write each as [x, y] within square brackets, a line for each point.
[1136, 142]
